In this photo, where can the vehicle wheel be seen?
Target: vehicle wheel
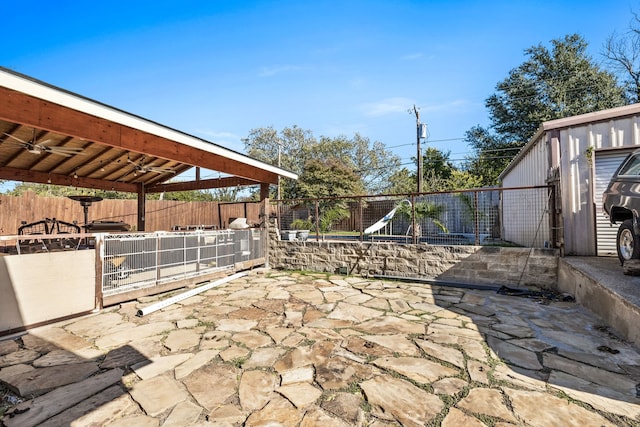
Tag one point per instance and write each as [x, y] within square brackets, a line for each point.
[626, 243]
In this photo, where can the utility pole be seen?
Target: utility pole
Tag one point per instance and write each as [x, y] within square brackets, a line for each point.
[418, 152]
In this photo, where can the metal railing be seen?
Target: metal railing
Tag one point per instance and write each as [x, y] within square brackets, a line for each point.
[142, 260]
[494, 216]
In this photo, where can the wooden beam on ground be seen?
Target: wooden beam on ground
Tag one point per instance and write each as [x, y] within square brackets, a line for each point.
[41, 408]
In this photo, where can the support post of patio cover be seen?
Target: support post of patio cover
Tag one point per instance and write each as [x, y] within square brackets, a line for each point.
[141, 207]
[264, 190]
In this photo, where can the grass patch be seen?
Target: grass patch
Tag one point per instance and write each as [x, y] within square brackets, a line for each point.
[238, 362]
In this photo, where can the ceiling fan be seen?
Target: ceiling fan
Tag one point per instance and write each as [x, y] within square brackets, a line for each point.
[142, 168]
[39, 148]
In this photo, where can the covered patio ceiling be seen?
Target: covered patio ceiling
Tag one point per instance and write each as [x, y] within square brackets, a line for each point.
[50, 135]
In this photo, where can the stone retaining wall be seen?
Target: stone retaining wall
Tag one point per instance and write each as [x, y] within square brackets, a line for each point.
[466, 264]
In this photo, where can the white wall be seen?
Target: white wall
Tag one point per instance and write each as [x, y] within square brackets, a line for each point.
[36, 288]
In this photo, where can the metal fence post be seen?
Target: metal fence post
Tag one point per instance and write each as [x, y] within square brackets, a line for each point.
[414, 235]
[317, 221]
[476, 224]
[361, 220]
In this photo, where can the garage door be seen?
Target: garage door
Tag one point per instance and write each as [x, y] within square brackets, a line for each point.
[606, 163]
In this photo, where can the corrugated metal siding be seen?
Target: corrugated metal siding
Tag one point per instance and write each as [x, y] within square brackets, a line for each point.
[530, 171]
[575, 184]
[580, 198]
[606, 164]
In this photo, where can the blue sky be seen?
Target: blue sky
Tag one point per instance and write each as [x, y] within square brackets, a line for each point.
[217, 69]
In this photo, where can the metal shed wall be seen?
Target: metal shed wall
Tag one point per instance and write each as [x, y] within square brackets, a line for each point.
[580, 140]
[531, 170]
[581, 201]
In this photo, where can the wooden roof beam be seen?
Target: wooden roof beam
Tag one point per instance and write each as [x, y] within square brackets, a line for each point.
[14, 174]
[18, 107]
[226, 182]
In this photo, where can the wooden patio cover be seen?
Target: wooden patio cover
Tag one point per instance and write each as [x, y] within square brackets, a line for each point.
[50, 135]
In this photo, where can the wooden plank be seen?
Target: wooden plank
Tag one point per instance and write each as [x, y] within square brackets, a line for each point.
[185, 283]
[35, 411]
[245, 265]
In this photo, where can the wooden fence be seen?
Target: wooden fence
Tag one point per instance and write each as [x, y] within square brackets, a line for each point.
[159, 214]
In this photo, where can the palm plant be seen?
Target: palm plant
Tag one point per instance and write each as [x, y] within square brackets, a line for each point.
[423, 210]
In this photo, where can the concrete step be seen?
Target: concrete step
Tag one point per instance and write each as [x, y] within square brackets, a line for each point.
[599, 284]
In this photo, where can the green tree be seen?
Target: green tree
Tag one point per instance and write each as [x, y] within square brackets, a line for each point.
[328, 178]
[438, 162]
[294, 147]
[464, 180]
[491, 155]
[48, 190]
[552, 83]
[187, 196]
[402, 181]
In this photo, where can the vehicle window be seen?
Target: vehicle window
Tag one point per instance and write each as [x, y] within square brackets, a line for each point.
[632, 167]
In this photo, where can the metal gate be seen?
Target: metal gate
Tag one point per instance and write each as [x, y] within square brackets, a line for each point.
[143, 260]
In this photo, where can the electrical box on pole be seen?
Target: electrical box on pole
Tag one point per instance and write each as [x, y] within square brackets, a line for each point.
[423, 131]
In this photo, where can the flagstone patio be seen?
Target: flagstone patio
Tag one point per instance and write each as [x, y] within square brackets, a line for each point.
[289, 349]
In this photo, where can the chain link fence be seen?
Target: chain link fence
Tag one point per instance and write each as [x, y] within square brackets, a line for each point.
[496, 216]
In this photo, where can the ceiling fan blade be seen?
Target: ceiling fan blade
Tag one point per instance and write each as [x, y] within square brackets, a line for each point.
[158, 169]
[16, 138]
[61, 153]
[70, 150]
[60, 150]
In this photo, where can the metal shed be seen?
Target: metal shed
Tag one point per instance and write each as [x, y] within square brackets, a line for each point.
[578, 155]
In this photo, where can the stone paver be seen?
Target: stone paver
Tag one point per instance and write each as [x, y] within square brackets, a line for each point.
[256, 389]
[158, 365]
[158, 394]
[292, 349]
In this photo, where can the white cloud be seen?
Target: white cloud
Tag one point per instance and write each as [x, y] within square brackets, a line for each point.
[272, 71]
[387, 106]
